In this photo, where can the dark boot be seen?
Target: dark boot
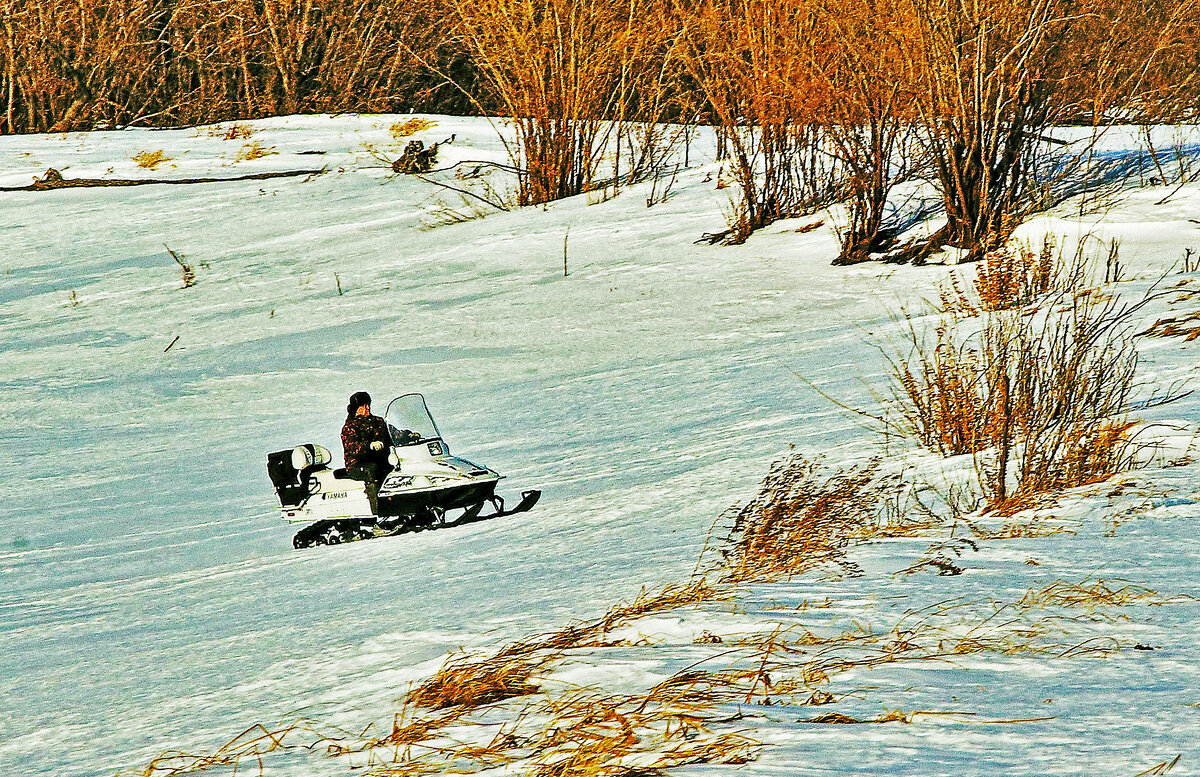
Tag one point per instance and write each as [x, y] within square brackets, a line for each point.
[373, 496]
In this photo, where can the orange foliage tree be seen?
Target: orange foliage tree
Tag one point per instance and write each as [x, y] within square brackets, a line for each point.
[79, 64]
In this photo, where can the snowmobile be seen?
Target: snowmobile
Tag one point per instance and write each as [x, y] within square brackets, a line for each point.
[425, 485]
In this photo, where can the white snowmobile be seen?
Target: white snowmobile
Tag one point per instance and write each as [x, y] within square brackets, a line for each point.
[424, 485]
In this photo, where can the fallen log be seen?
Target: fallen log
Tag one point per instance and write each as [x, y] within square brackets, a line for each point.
[54, 180]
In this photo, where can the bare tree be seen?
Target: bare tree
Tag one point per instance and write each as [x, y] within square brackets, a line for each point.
[993, 77]
[753, 63]
[868, 119]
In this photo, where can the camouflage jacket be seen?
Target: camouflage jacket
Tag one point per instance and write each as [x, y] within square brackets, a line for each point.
[358, 434]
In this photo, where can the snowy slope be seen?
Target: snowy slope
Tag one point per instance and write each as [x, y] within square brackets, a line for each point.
[151, 599]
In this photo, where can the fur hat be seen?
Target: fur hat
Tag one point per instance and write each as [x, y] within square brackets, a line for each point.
[357, 400]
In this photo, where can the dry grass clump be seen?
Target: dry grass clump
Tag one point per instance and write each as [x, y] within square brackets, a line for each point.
[583, 732]
[466, 683]
[1089, 595]
[1019, 529]
[408, 127]
[462, 682]
[254, 150]
[589, 735]
[407, 730]
[940, 393]
[1013, 276]
[237, 131]
[251, 744]
[150, 160]
[1187, 327]
[592, 634]
[803, 516]
[893, 716]
[670, 597]
[231, 131]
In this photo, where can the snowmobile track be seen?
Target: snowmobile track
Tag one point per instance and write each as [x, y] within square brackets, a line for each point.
[337, 532]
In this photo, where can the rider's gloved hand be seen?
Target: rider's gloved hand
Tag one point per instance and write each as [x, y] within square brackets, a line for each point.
[377, 446]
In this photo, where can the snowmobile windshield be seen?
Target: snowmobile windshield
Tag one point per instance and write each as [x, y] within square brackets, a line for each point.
[409, 414]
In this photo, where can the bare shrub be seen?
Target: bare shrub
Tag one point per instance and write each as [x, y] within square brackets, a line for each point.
[868, 118]
[77, 64]
[568, 74]
[1041, 400]
[753, 62]
[187, 269]
[992, 78]
[1089, 595]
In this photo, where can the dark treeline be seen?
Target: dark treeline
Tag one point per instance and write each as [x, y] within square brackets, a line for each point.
[82, 64]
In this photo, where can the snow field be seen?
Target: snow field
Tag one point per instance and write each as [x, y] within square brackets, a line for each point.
[161, 603]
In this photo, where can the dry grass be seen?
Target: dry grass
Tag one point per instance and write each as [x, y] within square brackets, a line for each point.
[1160, 769]
[231, 131]
[253, 150]
[670, 597]
[250, 745]
[593, 633]
[1019, 529]
[803, 516]
[1017, 275]
[465, 683]
[408, 127]
[407, 729]
[150, 160]
[584, 732]
[1187, 327]
[1089, 595]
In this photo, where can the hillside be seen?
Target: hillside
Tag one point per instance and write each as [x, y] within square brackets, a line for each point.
[151, 597]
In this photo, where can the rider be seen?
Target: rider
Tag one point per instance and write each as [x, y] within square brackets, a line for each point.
[365, 441]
